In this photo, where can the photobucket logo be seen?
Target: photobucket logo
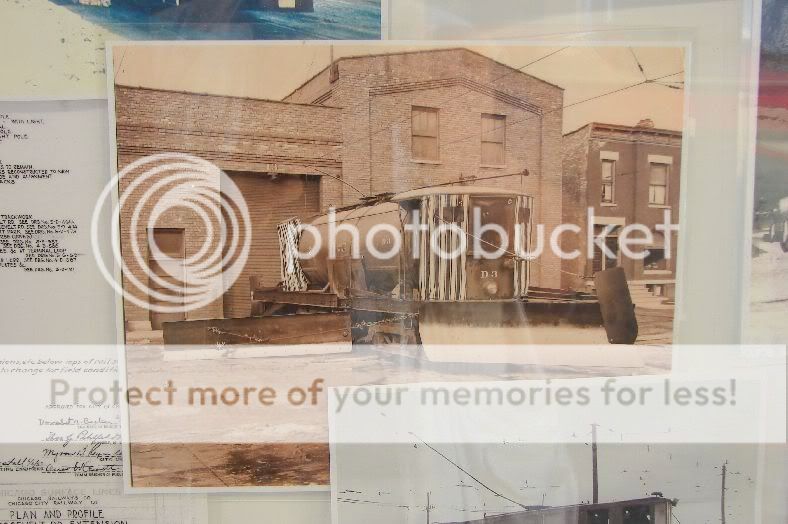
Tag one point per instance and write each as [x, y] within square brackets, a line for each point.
[478, 238]
[180, 232]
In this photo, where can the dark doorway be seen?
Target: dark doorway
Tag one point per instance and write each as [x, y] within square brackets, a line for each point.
[166, 261]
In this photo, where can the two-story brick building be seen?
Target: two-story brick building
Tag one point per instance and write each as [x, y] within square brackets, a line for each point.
[429, 117]
[626, 175]
[363, 125]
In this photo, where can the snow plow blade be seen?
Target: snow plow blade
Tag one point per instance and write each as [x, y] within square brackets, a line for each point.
[615, 302]
[273, 336]
[538, 332]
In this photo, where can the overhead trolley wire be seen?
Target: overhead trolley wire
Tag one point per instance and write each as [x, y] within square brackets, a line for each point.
[640, 66]
[482, 484]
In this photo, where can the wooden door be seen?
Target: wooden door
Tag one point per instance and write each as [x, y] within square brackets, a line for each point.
[167, 265]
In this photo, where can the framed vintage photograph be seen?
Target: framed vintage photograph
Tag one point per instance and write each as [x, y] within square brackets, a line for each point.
[312, 261]
[380, 213]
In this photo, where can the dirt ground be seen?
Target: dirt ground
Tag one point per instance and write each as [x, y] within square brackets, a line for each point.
[655, 326]
[228, 465]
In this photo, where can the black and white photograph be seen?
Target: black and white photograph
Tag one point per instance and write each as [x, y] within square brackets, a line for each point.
[412, 213]
[511, 483]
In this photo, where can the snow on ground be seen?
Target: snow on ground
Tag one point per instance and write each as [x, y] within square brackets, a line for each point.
[190, 444]
[768, 322]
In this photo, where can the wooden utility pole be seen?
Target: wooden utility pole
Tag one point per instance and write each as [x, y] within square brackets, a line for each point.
[428, 507]
[722, 494]
[594, 465]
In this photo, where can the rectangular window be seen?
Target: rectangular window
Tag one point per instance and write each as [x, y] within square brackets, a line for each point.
[598, 516]
[658, 184]
[602, 260]
[424, 130]
[638, 515]
[453, 214]
[493, 140]
[608, 180]
[655, 260]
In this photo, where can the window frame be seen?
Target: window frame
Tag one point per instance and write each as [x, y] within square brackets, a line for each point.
[667, 166]
[426, 109]
[658, 270]
[492, 116]
[612, 182]
[605, 513]
[661, 259]
[606, 261]
[648, 507]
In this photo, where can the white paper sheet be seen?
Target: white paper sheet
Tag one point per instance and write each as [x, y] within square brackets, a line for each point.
[61, 456]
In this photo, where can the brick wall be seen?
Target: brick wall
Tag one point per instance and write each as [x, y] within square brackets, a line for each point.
[239, 134]
[575, 203]
[377, 92]
[361, 134]
[256, 137]
[632, 187]
[134, 204]
[583, 170]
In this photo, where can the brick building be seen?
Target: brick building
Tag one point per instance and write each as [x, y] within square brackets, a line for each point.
[428, 117]
[627, 175]
[271, 150]
[380, 123]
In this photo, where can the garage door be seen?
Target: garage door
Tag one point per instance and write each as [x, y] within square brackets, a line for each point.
[271, 200]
